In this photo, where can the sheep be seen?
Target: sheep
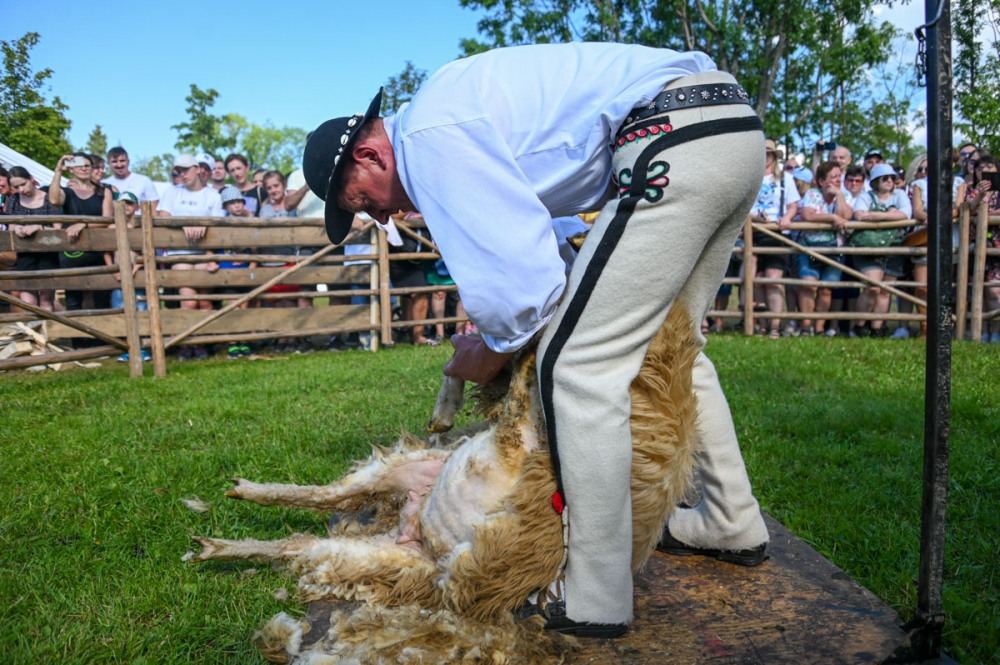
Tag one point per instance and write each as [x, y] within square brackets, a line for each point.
[465, 531]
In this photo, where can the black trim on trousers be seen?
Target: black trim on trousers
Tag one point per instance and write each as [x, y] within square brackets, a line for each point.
[607, 245]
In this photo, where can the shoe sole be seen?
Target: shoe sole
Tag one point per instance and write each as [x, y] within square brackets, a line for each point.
[748, 560]
[595, 631]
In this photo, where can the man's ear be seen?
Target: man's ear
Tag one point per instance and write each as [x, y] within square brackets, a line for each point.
[370, 154]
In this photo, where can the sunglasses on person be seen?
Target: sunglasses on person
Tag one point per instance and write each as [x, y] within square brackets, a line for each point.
[854, 180]
[922, 169]
[966, 153]
[790, 167]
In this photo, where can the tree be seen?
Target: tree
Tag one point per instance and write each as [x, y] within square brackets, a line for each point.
[28, 123]
[400, 89]
[790, 55]
[157, 167]
[97, 142]
[977, 73]
[205, 132]
[267, 146]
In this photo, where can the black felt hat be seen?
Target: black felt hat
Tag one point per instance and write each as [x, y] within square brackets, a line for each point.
[322, 164]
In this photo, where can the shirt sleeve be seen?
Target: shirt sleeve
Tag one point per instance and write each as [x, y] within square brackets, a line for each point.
[215, 205]
[903, 203]
[863, 203]
[149, 192]
[492, 229]
[167, 203]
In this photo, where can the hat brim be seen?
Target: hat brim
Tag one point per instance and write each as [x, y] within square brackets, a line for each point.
[338, 220]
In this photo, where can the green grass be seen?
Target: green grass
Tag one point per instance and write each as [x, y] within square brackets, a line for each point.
[93, 466]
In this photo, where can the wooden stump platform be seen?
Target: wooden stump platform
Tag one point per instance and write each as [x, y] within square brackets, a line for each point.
[797, 607]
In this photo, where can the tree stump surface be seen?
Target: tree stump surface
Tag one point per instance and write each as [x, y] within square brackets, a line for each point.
[796, 607]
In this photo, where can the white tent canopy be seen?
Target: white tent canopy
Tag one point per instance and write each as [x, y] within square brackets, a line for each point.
[10, 157]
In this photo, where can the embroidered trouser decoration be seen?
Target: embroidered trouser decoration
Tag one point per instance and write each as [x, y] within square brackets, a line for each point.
[663, 240]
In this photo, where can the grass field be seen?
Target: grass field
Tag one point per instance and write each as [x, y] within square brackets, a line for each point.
[93, 466]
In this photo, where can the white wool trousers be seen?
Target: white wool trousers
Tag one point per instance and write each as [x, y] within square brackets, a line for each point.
[685, 191]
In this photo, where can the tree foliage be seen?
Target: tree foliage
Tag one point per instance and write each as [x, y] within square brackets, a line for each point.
[203, 131]
[977, 71]
[264, 146]
[157, 167]
[794, 57]
[28, 123]
[400, 89]
[97, 142]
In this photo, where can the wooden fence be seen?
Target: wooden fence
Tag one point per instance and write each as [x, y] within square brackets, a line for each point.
[972, 250]
[159, 328]
[124, 329]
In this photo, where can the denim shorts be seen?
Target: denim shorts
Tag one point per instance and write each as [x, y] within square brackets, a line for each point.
[810, 267]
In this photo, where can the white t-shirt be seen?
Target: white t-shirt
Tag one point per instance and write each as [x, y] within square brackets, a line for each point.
[310, 205]
[180, 201]
[136, 183]
[769, 197]
[494, 146]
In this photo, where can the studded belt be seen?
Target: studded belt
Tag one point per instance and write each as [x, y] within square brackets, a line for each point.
[674, 99]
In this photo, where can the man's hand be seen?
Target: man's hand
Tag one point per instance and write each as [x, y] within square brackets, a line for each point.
[474, 361]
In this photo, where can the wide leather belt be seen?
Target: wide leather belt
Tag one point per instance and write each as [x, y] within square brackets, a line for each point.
[685, 97]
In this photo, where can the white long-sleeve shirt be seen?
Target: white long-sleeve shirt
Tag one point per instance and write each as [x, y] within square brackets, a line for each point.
[496, 145]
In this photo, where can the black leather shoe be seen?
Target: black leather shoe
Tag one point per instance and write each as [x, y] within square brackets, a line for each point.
[751, 557]
[557, 621]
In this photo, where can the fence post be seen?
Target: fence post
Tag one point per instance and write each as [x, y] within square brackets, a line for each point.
[385, 300]
[961, 304]
[128, 292]
[152, 291]
[373, 284]
[749, 268]
[979, 270]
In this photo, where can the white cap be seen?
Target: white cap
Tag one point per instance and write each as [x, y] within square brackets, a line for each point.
[205, 158]
[184, 161]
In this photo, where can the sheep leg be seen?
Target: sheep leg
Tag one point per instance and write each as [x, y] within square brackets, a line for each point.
[376, 570]
[217, 549]
[396, 473]
[450, 400]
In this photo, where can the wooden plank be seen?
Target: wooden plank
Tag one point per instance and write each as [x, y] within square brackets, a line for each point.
[57, 358]
[979, 271]
[152, 293]
[53, 240]
[15, 349]
[128, 292]
[795, 608]
[200, 278]
[749, 270]
[175, 321]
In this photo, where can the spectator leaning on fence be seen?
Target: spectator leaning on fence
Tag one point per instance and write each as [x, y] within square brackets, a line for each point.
[81, 197]
[985, 191]
[29, 200]
[777, 201]
[123, 180]
[824, 204]
[191, 199]
[884, 203]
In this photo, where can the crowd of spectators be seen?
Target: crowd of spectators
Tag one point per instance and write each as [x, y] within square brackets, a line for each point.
[202, 186]
[833, 192]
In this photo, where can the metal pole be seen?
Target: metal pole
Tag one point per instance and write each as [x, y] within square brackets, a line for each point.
[923, 641]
